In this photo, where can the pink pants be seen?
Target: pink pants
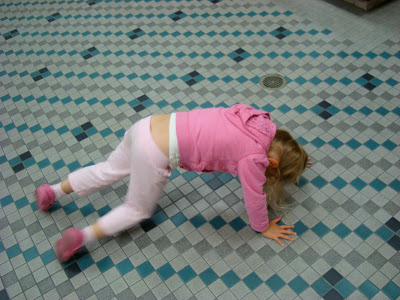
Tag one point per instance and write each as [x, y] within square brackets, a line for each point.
[138, 156]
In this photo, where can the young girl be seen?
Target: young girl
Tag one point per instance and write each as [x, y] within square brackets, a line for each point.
[239, 140]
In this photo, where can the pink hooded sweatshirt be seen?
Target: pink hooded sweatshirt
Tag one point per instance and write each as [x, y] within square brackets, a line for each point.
[234, 140]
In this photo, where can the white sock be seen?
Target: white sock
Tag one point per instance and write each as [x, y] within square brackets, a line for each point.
[59, 193]
[88, 235]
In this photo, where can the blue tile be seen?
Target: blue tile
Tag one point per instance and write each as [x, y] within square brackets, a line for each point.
[48, 256]
[20, 203]
[208, 276]
[341, 230]
[338, 183]
[371, 144]
[389, 145]
[368, 289]
[178, 219]
[102, 211]
[160, 217]
[252, 281]
[87, 209]
[13, 251]
[345, 288]
[105, 264]
[298, 285]
[321, 287]
[70, 208]
[198, 220]
[230, 278]
[319, 182]
[145, 269]
[166, 271]
[395, 184]
[217, 222]
[31, 253]
[363, 231]
[358, 184]
[391, 290]
[237, 224]
[320, 229]
[85, 262]
[384, 233]
[187, 274]
[125, 266]
[275, 283]
[300, 228]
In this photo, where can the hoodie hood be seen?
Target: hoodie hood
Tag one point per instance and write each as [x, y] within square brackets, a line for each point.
[255, 123]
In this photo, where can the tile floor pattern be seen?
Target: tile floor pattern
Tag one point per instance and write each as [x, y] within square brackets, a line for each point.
[76, 74]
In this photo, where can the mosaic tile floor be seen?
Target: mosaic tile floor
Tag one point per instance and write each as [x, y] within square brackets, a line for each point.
[76, 74]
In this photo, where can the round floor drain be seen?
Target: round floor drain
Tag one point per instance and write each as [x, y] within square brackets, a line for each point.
[273, 81]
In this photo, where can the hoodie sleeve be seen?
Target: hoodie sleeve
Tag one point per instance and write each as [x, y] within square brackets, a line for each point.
[251, 172]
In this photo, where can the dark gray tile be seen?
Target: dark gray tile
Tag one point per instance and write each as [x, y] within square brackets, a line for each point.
[162, 243]
[143, 241]
[350, 206]
[377, 260]
[35, 228]
[46, 285]
[27, 282]
[266, 253]
[182, 245]
[332, 257]
[65, 288]
[126, 295]
[287, 254]
[245, 251]
[223, 249]
[231, 199]
[310, 256]
[85, 291]
[105, 293]
[9, 279]
[123, 239]
[148, 296]
[202, 247]
[354, 258]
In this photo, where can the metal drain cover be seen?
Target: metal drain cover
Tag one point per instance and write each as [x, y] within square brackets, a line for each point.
[272, 81]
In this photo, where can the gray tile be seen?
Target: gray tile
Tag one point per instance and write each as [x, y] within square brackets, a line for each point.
[65, 288]
[45, 285]
[202, 247]
[126, 295]
[266, 253]
[354, 259]
[105, 293]
[310, 256]
[245, 251]
[223, 249]
[27, 282]
[182, 245]
[9, 279]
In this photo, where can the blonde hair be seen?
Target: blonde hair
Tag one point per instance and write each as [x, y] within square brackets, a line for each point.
[292, 163]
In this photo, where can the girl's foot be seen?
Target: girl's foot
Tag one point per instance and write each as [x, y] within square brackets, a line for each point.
[45, 197]
[68, 244]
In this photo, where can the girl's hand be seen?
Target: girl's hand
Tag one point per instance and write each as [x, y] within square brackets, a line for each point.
[309, 162]
[276, 232]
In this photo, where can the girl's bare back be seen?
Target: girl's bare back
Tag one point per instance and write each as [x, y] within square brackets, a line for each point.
[159, 127]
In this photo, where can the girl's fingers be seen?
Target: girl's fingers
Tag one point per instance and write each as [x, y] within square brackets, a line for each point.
[289, 232]
[286, 238]
[287, 226]
[280, 242]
